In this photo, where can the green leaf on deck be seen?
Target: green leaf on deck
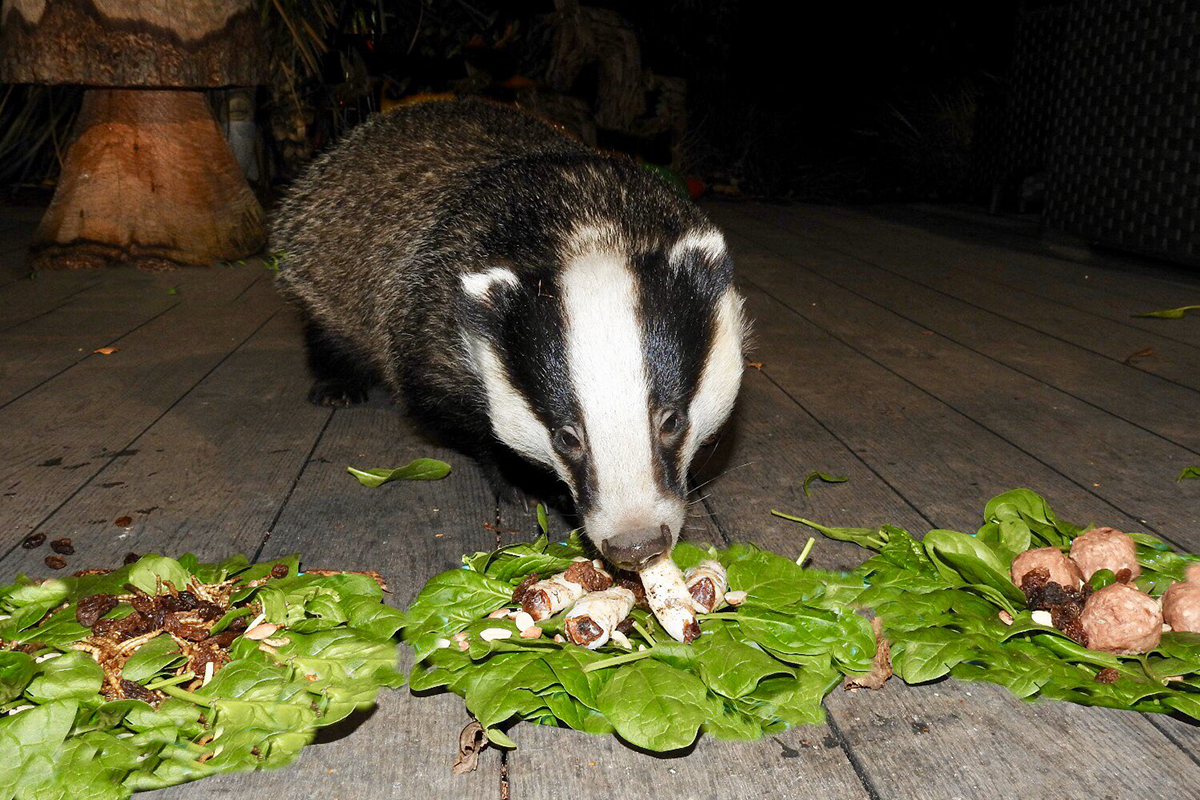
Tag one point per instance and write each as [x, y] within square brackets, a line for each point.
[1170, 313]
[818, 475]
[423, 469]
[1189, 472]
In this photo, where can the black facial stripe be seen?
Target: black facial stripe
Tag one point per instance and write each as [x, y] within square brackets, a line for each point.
[527, 328]
[677, 307]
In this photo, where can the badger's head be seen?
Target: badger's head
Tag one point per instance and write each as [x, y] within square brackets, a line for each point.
[612, 367]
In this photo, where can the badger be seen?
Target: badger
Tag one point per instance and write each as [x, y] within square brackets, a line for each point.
[521, 294]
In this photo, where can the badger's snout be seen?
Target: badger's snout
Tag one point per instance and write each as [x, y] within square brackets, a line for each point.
[635, 549]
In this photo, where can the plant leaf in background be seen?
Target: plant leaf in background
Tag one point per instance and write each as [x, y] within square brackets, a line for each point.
[824, 476]
[1188, 472]
[542, 521]
[1170, 313]
[423, 469]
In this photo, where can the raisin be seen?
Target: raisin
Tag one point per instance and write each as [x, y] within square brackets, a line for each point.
[123, 522]
[33, 540]
[192, 633]
[518, 595]
[1107, 675]
[91, 609]
[1124, 575]
[63, 546]
[184, 601]
[144, 603]
[625, 626]
[135, 691]
[239, 624]
[223, 639]
[209, 612]
[130, 558]
[279, 571]
[55, 562]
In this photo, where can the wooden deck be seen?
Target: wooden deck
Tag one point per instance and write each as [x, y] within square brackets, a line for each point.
[934, 357]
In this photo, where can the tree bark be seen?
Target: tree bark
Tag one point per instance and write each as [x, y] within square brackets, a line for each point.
[160, 43]
[149, 180]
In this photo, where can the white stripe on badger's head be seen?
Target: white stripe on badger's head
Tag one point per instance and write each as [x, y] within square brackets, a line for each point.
[611, 367]
[628, 516]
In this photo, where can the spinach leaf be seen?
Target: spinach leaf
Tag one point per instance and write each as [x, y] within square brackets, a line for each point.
[1188, 472]
[818, 475]
[1170, 313]
[422, 469]
[29, 742]
[655, 706]
[729, 667]
[152, 658]
[870, 538]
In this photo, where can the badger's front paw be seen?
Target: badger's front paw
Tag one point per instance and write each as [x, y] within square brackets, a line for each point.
[337, 394]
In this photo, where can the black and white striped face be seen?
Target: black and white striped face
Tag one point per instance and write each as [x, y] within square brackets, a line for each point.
[611, 368]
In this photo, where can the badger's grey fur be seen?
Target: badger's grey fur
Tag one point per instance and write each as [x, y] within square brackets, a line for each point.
[521, 293]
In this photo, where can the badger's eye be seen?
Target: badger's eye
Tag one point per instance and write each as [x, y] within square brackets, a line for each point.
[669, 423]
[567, 438]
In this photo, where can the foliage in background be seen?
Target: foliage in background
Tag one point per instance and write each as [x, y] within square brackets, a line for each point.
[35, 124]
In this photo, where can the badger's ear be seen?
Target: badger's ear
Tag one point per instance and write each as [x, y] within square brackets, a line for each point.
[487, 286]
[486, 295]
[703, 253]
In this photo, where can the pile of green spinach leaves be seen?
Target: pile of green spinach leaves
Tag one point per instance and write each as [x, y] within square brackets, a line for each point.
[61, 740]
[766, 664]
[940, 599]
[758, 670]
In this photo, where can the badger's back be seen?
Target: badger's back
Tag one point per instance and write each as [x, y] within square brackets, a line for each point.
[349, 227]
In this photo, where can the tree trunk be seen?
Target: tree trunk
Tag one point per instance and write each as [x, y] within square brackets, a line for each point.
[150, 180]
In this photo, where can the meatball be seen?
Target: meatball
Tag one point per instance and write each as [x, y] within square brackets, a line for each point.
[1061, 569]
[1181, 607]
[1192, 573]
[1105, 548]
[1121, 619]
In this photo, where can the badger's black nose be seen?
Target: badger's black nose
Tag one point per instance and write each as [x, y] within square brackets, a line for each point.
[635, 549]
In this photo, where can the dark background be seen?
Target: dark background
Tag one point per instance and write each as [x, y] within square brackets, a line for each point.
[844, 102]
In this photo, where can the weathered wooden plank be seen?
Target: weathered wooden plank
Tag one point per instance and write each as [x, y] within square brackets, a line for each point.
[409, 532]
[209, 476]
[1124, 465]
[1112, 287]
[1147, 401]
[47, 345]
[76, 423]
[918, 257]
[28, 298]
[946, 740]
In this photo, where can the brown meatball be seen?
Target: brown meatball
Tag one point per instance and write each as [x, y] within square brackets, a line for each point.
[1181, 607]
[1121, 619]
[1062, 570]
[1105, 548]
[1192, 573]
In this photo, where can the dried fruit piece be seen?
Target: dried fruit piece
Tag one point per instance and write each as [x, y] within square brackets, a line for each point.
[1107, 675]
[90, 609]
[279, 571]
[55, 562]
[63, 546]
[123, 522]
[33, 541]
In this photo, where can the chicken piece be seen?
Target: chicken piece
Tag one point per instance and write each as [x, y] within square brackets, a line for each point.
[591, 621]
[547, 598]
[706, 582]
[670, 600]
[1105, 548]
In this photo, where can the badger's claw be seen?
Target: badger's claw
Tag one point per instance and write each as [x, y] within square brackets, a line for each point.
[337, 394]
